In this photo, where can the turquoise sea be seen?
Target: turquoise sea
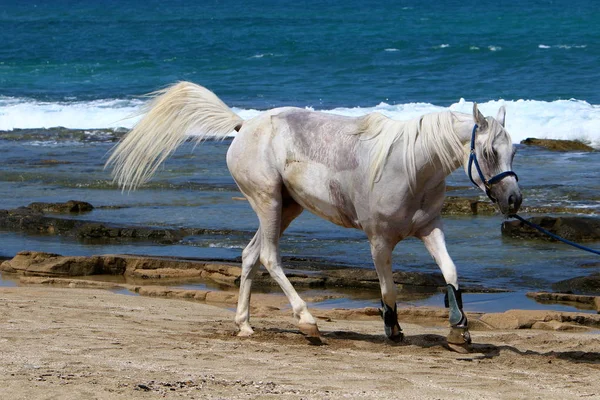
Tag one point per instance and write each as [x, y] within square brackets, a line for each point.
[85, 66]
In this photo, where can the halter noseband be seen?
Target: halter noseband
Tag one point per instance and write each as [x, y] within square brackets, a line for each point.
[487, 183]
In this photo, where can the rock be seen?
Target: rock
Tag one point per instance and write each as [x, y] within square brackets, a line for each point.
[574, 228]
[71, 206]
[558, 326]
[223, 273]
[508, 320]
[367, 278]
[71, 283]
[525, 319]
[558, 145]
[584, 285]
[33, 221]
[49, 264]
[467, 206]
[570, 298]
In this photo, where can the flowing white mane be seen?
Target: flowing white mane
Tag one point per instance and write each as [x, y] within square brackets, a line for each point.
[434, 134]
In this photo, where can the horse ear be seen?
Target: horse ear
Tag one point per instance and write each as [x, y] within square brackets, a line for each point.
[478, 117]
[501, 115]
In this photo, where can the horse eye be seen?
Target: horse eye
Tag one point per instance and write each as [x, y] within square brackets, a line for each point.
[490, 154]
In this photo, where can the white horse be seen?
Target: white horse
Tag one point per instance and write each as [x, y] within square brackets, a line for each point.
[372, 173]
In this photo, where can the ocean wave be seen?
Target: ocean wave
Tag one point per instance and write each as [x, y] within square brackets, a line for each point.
[560, 119]
[28, 113]
[563, 46]
[262, 55]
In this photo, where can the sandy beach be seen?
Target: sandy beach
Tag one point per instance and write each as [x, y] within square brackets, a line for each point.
[64, 343]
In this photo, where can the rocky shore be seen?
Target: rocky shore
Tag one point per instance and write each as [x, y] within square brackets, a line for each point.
[50, 219]
[156, 276]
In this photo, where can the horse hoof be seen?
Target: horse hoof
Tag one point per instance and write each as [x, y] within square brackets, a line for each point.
[245, 333]
[460, 348]
[397, 338]
[310, 330]
[459, 336]
[394, 333]
[459, 340]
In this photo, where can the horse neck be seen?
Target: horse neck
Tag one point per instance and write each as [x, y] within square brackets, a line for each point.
[438, 152]
[463, 126]
[448, 153]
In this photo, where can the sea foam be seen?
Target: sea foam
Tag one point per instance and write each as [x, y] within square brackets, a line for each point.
[560, 119]
[18, 113]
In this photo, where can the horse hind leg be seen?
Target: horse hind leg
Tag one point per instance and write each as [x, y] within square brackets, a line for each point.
[256, 253]
[250, 265]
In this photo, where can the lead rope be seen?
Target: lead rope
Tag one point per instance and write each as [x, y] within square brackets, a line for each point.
[552, 235]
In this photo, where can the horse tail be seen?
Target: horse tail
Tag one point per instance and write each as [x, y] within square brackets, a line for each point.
[170, 116]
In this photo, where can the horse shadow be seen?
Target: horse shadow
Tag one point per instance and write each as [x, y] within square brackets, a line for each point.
[478, 351]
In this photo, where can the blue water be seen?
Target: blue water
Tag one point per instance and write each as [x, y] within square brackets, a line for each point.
[87, 64]
[259, 54]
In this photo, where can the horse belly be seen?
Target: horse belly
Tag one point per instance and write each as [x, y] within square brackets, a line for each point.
[319, 191]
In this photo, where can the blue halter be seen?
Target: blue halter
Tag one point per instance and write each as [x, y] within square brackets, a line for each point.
[487, 183]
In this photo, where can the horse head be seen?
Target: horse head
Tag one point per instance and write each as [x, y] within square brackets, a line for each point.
[490, 161]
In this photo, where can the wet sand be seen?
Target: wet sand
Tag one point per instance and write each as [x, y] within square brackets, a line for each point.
[95, 344]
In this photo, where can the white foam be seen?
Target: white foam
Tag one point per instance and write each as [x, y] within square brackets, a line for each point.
[563, 46]
[27, 113]
[261, 55]
[560, 119]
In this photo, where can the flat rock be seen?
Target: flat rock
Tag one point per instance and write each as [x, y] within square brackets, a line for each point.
[584, 285]
[574, 228]
[537, 319]
[223, 273]
[71, 206]
[467, 206]
[558, 145]
[570, 298]
[49, 264]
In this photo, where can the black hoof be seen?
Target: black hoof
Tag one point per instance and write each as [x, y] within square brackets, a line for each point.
[395, 335]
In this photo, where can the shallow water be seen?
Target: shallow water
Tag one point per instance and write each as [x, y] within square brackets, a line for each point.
[195, 190]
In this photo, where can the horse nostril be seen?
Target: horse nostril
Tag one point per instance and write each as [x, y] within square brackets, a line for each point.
[514, 201]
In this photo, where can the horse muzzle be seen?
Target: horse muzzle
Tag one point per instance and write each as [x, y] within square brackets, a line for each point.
[507, 195]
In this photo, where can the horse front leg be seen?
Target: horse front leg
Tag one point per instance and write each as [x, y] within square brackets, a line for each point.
[381, 252]
[459, 338]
